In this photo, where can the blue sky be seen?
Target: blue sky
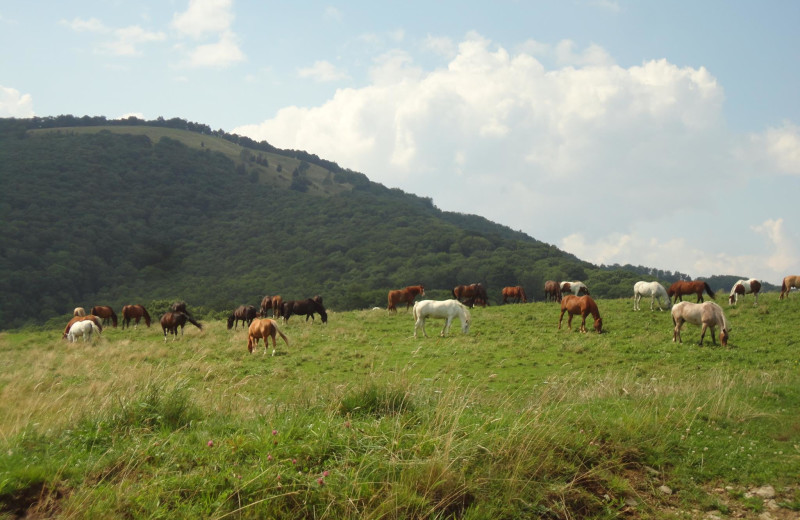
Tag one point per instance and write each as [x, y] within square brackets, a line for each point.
[656, 133]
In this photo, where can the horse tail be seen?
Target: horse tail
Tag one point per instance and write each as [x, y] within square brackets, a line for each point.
[194, 321]
[783, 286]
[283, 336]
[146, 316]
[708, 289]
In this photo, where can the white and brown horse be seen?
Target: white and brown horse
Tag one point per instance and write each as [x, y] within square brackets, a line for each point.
[705, 315]
[575, 288]
[788, 283]
[742, 287]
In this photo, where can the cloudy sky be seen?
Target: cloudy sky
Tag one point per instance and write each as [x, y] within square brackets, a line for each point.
[664, 134]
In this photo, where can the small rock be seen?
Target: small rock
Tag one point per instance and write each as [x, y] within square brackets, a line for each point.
[766, 516]
[764, 492]
[631, 502]
[665, 489]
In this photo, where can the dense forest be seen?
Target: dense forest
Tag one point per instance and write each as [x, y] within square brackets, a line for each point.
[101, 212]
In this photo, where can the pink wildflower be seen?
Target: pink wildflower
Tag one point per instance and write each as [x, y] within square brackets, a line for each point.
[210, 443]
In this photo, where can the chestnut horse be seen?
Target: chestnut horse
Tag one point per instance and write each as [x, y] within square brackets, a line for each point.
[743, 287]
[680, 288]
[171, 320]
[75, 319]
[263, 329]
[583, 305]
[552, 291]
[266, 304]
[515, 294]
[789, 282]
[106, 313]
[243, 313]
[134, 312]
[706, 315]
[406, 295]
[471, 294]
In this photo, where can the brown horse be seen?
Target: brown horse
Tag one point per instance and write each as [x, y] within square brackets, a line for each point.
[264, 329]
[680, 288]
[514, 294]
[79, 311]
[471, 294]
[170, 322]
[243, 313]
[106, 313]
[742, 287]
[583, 305]
[789, 282]
[305, 308]
[266, 304]
[134, 312]
[552, 291]
[406, 295]
[97, 321]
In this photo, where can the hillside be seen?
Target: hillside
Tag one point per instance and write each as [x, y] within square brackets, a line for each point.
[101, 213]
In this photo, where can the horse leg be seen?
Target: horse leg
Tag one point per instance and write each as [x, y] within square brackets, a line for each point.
[583, 322]
[421, 324]
[676, 333]
[560, 317]
[446, 326]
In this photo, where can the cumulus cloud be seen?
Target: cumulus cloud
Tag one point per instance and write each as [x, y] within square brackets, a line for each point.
[210, 22]
[322, 71]
[15, 104]
[123, 41]
[779, 148]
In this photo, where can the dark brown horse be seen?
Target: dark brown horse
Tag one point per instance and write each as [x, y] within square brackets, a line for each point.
[787, 284]
[264, 329]
[305, 308]
[266, 305]
[552, 291]
[136, 313]
[243, 313]
[105, 313]
[471, 294]
[170, 322]
[515, 294]
[583, 305]
[683, 288]
[180, 307]
[96, 319]
[406, 296]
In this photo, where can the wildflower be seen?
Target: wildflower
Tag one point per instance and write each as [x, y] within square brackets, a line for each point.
[321, 481]
[210, 443]
[294, 461]
[269, 457]
[325, 473]
[274, 432]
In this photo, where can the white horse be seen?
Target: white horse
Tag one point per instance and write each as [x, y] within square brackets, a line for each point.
[744, 287]
[83, 328]
[706, 314]
[447, 309]
[653, 290]
[576, 288]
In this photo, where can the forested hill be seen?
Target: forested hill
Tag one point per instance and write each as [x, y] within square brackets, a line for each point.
[117, 214]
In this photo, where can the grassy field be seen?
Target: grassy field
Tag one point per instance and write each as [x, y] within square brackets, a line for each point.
[357, 419]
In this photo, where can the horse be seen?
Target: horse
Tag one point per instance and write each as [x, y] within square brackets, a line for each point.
[406, 295]
[263, 328]
[266, 304]
[552, 291]
[277, 306]
[652, 289]
[106, 313]
[707, 314]
[515, 294]
[680, 288]
[79, 311]
[134, 312]
[583, 305]
[82, 328]
[304, 307]
[171, 320]
[75, 319]
[471, 294]
[744, 287]
[789, 282]
[243, 313]
[180, 307]
[447, 309]
[576, 288]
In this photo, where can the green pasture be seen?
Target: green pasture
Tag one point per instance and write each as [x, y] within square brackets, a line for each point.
[357, 419]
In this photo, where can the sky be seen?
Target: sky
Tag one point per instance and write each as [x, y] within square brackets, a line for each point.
[663, 134]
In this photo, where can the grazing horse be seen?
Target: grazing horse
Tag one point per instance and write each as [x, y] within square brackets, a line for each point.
[243, 313]
[79, 311]
[277, 306]
[136, 313]
[706, 315]
[471, 294]
[82, 328]
[266, 304]
[515, 294]
[406, 295]
[171, 320]
[583, 305]
[652, 289]
[576, 288]
[447, 309]
[683, 288]
[305, 308]
[180, 307]
[552, 291]
[106, 313]
[263, 329]
[75, 319]
[743, 287]
[789, 282]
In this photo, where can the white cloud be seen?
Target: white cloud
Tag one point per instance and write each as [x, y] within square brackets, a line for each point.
[441, 46]
[779, 149]
[333, 13]
[86, 25]
[221, 53]
[14, 104]
[322, 71]
[210, 21]
[128, 39]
